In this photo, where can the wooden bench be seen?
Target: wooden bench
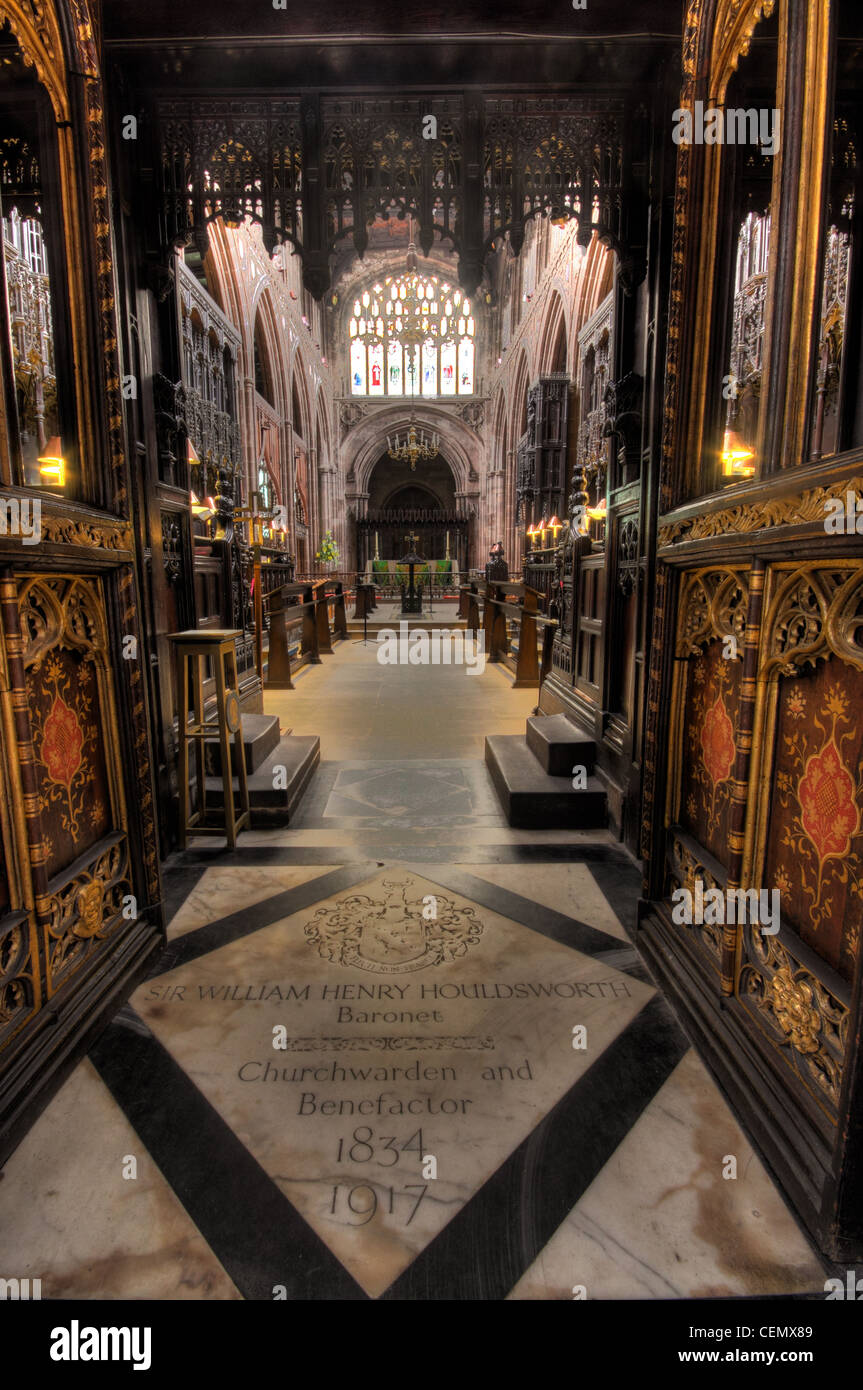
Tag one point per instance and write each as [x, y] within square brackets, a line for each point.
[530, 667]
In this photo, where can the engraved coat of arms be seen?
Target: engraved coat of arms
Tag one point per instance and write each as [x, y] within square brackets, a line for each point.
[405, 930]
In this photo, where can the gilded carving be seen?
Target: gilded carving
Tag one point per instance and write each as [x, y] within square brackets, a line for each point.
[755, 516]
[95, 535]
[802, 1017]
[37, 35]
[88, 902]
[86, 910]
[19, 977]
[735, 24]
[686, 870]
[792, 1008]
[712, 604]
[814, 611]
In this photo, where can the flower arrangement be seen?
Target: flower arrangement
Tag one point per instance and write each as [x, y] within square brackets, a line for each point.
[327, 552]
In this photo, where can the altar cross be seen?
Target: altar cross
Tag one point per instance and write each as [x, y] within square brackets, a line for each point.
[415, 539]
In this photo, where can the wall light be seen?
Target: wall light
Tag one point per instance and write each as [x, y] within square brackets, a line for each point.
[52, 464]
[735, 456]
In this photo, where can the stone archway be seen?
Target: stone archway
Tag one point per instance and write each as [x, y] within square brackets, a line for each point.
[454, 478]
[434, 479]
[412, 510]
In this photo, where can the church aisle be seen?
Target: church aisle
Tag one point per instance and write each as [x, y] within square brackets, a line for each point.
[362, 709]
[399, 1051]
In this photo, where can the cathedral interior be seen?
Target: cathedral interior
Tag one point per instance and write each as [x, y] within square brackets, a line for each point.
[431, 583]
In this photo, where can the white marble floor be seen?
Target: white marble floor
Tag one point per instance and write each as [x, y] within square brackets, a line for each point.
[406, 1039]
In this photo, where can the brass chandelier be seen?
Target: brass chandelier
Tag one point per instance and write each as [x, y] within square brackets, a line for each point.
[415, 447]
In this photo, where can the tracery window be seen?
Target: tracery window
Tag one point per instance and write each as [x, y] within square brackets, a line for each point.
[826, 420]
[743, 387]
[412, 335]
[29, 291]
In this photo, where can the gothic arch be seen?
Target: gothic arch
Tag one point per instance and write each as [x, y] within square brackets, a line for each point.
[595, 282]
[518, 406]
[56, 40]
[555, 320]
[264, 329]
[365, 444]
[222, 268]
[497, 443]
[729, 37]
[38, 35]
[298, 380]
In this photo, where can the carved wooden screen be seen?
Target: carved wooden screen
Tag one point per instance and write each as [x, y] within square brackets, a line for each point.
[806, 840]
[66, 779]
[766, 793]
[80, 892]
[705, 717]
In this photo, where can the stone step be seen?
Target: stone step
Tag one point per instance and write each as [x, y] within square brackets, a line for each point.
[299, 755]
[533, 800]
[261, 734]
[558, 745]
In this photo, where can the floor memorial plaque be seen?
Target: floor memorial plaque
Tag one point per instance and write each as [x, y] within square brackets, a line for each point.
[382, 1052]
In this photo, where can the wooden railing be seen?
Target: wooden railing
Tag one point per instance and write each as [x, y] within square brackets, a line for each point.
[303, 607]
[532, 660]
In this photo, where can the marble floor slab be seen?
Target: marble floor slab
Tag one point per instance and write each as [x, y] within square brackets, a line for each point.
[661, 1220]
[222, 890]
[69, 1217]
[391, 794]
[408, 1037]
[566, 888]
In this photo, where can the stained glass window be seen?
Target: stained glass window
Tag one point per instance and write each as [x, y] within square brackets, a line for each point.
[412, 334]
[358, 368]
[430, 354]
[465, 366]
[376, 368]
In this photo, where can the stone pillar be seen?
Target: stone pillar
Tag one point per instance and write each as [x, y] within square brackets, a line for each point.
[249, 431]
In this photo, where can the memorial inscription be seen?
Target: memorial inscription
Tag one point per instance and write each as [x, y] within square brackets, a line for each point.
[346, 1087]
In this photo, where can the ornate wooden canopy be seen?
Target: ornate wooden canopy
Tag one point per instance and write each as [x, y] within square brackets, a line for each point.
[316, 168]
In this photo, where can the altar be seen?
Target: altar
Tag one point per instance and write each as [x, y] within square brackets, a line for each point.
[397, 570]
[382, 539]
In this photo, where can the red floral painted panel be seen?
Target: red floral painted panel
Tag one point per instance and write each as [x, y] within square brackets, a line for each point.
[815, 834]
[709, 750]
[67, 724]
